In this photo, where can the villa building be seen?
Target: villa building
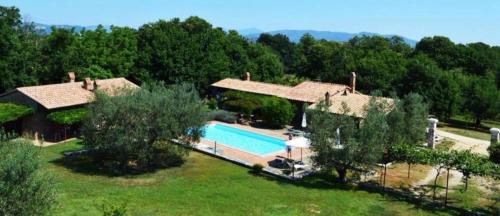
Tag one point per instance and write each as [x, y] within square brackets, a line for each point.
[44, 99]
[308, 93]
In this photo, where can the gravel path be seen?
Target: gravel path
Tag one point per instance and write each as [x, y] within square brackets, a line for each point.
[455, 178]
[461, 143]
[465, 143]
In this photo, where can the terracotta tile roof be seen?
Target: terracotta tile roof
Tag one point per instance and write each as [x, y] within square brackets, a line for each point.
[316, 90]
[264, 88]
[356, 103]
[70, 94]
[308, 91]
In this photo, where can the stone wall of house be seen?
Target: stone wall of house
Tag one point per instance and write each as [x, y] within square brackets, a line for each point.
[35, 125]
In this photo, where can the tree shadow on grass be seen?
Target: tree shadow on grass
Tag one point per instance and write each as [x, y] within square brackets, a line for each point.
[324, 181]
[86, 164]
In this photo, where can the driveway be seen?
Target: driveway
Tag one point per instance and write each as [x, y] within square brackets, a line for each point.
[465, 143]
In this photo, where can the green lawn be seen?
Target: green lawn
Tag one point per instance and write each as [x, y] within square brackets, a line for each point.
[207, 186]
[467, 132]
[464, 126]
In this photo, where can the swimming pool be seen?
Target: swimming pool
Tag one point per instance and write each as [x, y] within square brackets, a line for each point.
[243, 140]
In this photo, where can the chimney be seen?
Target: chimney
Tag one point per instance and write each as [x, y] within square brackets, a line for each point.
[247, 76]
[352, 82]
[88, 84]
[71, 76]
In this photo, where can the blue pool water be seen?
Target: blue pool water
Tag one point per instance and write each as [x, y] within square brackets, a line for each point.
[243, 140]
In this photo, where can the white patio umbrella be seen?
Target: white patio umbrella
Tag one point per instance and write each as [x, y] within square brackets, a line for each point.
[299, 142]
[304, 121]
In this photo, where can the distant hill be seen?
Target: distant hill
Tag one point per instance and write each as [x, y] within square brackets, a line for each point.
[295, 35]
[46, 29]
[251, 33]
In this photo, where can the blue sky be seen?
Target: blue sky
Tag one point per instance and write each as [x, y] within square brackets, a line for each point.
[463, 21]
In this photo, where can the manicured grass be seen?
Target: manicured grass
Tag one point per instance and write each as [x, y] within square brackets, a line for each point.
[445, 145]
[464, 126]
[467, 132]
[207, 186]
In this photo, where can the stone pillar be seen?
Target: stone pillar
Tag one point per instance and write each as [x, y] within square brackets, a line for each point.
[431, 132]
[495, 133]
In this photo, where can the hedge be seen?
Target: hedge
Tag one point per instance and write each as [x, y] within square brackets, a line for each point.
[222, 115]
[246, 103]
[10, 112]
[277, 112]
[68, 117]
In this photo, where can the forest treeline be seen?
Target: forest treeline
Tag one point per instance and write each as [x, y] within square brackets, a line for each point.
[453, 78]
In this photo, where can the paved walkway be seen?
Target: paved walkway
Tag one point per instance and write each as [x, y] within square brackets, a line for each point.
[47, 144]
[250, 158]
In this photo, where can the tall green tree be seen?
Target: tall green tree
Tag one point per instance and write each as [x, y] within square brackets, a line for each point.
[415, 118]
[61, 54]
[482, 98]
[378, 64]
[374, 135]
[441, 49]
[266, 65]
[10, 48]
[407, 121]
[440, 89]
[282, 46]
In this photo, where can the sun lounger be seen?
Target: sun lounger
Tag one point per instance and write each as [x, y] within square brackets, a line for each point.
[299, 165]
[294, 132]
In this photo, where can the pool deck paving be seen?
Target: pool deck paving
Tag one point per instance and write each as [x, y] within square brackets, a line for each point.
[250, 158]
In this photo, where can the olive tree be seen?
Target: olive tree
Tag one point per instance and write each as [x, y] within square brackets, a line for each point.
[374, 133]
[334, 151]
[407, 122]
[137, 128]
[340, 145]
[24, 188]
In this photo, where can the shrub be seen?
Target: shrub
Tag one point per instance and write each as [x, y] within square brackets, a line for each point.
[277, 112]
[224, 116]
[247, 107]
[4, 136]
[257, 168]
[494, 151]
[24, 189]
[246, 103]
[212, 104]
